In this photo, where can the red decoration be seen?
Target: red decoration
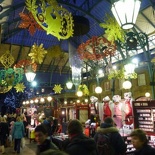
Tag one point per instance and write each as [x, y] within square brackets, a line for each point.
[25, 64]
[96, 48]
[29, 22]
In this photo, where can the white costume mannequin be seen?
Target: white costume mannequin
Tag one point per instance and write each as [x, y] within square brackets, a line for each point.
[94, 105]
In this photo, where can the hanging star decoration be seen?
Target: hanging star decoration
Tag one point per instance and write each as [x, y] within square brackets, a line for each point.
[57, 89]
[37, 53]
[19, 87]
[113, 30]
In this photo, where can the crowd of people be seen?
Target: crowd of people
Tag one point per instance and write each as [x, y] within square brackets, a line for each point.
[77, 142]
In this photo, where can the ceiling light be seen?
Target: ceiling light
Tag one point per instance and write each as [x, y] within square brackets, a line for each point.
[125, 12]
[34, 84]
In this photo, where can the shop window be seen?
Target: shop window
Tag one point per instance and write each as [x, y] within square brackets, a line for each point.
[121, 83]
[107, 86]
[141, 80]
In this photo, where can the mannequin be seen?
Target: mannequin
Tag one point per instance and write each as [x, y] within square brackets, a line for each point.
[118, 111]
[94, 105]
[106, 107]
[128, 108]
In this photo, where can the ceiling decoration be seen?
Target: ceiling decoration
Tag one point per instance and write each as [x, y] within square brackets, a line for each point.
[28, 22]
[93, 13]
[113, 31]
[54, 19]
[96, 48]
[37, 53]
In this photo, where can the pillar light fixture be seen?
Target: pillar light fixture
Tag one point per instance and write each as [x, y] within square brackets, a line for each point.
[125, 12]
[79, 93]
[127, 84]
[98, 90]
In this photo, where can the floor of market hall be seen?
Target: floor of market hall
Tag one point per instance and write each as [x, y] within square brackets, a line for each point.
[29, 149]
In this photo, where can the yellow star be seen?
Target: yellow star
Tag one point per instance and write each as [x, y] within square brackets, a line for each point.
[57, 88]
[19, 87]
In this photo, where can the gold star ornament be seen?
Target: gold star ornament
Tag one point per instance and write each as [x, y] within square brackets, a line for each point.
[19, 87]
[37, 53]
[57, 89]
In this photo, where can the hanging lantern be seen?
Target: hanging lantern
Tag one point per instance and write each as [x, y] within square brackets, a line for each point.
[29, 73]
[125, 12]
[69, 85]
[30, 76]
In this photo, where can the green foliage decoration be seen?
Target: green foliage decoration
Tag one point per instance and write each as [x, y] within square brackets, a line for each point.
[113, 31]
[120, 74]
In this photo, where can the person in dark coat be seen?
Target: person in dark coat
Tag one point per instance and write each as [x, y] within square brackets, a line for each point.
[4, 133]
[140, 143]
[78, 143]
[43, 144]
[116, 141]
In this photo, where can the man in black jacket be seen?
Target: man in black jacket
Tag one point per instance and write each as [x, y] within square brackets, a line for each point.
[117, 143]
[78, 143]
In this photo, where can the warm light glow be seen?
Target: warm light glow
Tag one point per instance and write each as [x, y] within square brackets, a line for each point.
[49, 98]
[36, 100]
[30, 76]
[126, 12]
[79, 93]
[27, 102]
[147, 94]
[63, 112]
[69, 85]
[24, 102]
[31, 101]
[78, 101]
[86, 100]
[98, 90]
[42, 100]
[65, 102]
[127, 85]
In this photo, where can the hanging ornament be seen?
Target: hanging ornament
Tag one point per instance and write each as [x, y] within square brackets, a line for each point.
[76, 65]
[112, 29]
[54, 19]
[57, 89]
[96, 48]
[19, 87]
[84, 89]
[29, 22]
[37, 53]
[7, 59]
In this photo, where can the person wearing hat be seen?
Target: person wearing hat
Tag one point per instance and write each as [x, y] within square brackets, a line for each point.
[107, 128]
[78, 143]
